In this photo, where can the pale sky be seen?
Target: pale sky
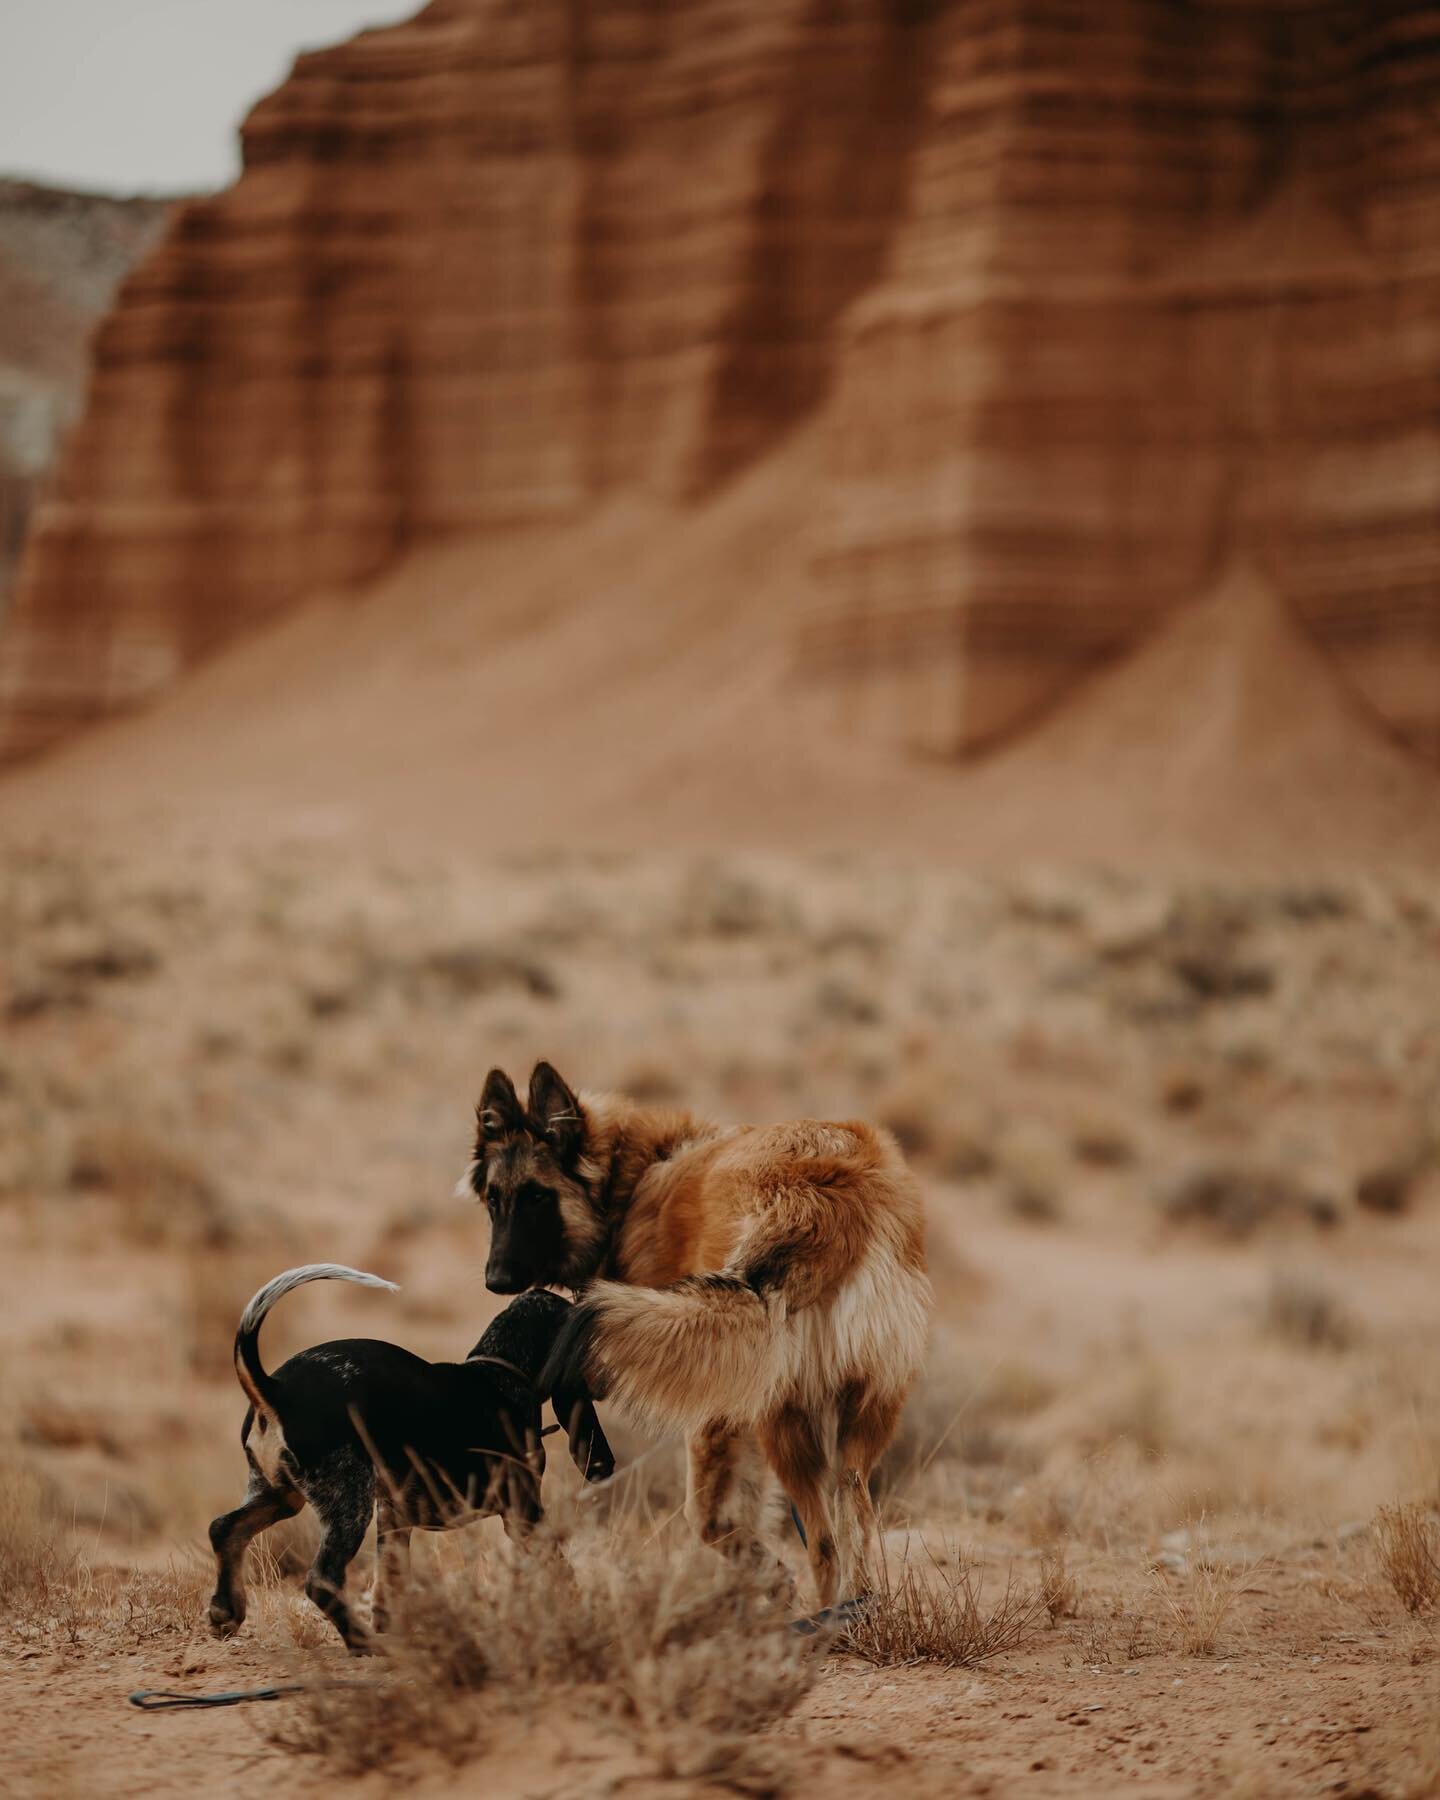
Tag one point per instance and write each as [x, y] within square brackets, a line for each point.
[144, 95]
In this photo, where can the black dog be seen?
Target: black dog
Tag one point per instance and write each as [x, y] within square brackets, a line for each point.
[357, 1426]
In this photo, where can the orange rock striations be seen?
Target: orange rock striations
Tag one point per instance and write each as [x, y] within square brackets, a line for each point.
[1085, 299]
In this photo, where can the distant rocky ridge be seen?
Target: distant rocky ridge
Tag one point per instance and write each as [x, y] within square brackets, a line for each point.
[1083, 302]
[61, 256]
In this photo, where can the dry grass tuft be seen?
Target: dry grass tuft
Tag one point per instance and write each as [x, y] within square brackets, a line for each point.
[1407, 1544]
[164, 1194]
[1059, 1584]
[931, 1613]
[668, 1644]
[51, 1593]
[27, 1555]
[1200, 1608]
[1305, 1312]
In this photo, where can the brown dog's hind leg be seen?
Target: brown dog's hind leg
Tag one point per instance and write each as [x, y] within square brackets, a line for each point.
[230, 1537]
[724, 1491]
[867, 1423]
[795, 1448]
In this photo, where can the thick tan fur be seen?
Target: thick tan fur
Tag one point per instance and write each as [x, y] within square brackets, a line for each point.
[761, 1284]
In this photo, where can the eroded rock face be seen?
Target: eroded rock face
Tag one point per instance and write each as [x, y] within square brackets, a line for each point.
[1087, 298]
[61, 256]
[1168, 286]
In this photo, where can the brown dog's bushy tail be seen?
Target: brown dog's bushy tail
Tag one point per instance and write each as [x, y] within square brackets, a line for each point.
[708, 1347]
[248, 1368]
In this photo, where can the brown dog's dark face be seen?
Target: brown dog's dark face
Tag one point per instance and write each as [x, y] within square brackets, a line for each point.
[527, 1170]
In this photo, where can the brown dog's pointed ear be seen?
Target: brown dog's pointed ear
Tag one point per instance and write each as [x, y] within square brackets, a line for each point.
[555, 1113]
[499, 1113]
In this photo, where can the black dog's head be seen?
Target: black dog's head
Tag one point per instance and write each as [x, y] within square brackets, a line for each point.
[531, 1171]
[523, 1336]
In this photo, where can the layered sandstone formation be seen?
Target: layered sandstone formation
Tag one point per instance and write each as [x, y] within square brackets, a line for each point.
[1166, 290]
[1081, 302]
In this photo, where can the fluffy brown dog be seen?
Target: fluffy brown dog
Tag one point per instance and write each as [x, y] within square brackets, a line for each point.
[761, 1288]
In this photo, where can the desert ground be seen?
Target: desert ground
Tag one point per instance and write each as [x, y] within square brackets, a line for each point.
[1159, 1518]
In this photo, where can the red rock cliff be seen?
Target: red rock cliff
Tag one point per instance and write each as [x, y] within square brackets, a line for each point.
[1084, 298]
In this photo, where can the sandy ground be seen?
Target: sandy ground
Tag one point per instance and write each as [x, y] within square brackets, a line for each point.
[1172, 1342]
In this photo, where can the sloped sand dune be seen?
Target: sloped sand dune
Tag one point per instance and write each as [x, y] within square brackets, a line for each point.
[630, 683]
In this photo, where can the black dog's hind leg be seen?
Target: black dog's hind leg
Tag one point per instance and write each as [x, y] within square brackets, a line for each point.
[392, 1559]
[230, 1536]
[342, 1491]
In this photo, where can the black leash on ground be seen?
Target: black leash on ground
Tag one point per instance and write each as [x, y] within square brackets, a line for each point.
[162, 1700]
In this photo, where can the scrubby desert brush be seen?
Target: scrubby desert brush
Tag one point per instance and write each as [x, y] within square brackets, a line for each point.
[1303, 1311]
[27, 1547]
[1199, 1608]
[682, 1654]
[1059, 1584]
[52, 1592]
[164, 1194]
[1407, 1544]
[925, 1611]
[959, 1414]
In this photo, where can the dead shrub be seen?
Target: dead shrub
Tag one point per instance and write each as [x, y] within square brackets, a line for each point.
[1101, 1143]
[650, 1080]
[1390, 1189]
[166, 1196]
[1032, 1201]
[27, 1551]
[957, 1414]
[1303, 1311]
[1199, 1609]
[933, 1124]
[1407, 1545]
[725, 902]
[667, 1641]
[57, 1425]
[932, 1613]
[466, 971]
[1237, 1202]
[54, 1593]
[1059, 1584]
[213, 1291]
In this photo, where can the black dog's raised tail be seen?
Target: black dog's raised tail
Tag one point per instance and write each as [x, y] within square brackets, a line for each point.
[248, 1368]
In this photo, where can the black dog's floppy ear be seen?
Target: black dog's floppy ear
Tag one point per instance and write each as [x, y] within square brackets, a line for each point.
[589, 1447]
[499, 1114]
[555, 1113]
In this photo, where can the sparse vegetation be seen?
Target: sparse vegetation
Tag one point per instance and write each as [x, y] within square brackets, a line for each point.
[291, 1076]
[1304, 1310]
[164, 1194]
[1199, 1604]
[1236, 1202]
[1059, 1584]
[931, 1610]
[1407, 1545]
[664, 1640]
